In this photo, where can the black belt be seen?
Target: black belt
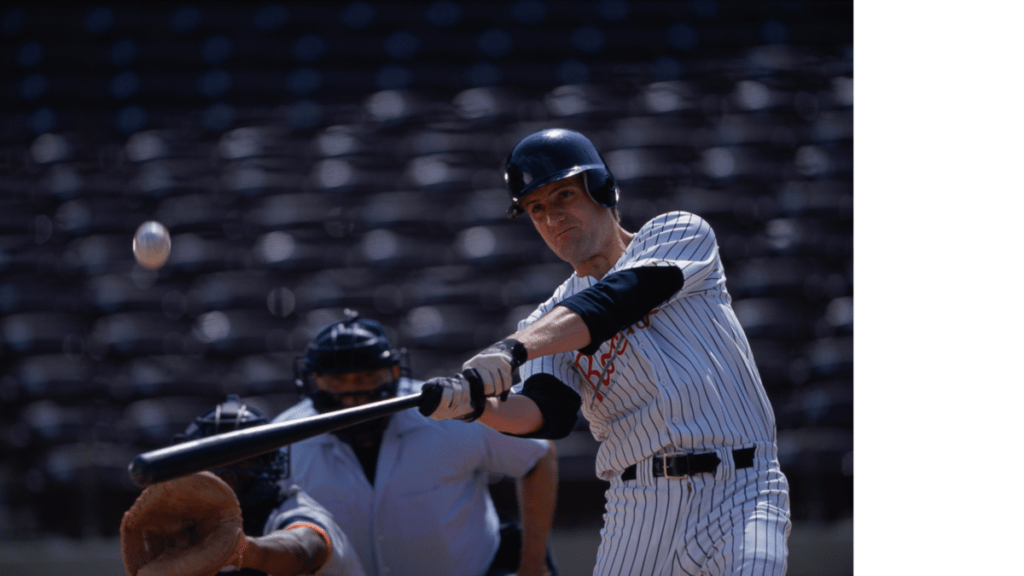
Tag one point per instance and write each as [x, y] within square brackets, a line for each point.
[683, 465]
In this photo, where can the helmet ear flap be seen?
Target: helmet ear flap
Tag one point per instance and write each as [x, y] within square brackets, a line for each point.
[602, 188]
[303, 376]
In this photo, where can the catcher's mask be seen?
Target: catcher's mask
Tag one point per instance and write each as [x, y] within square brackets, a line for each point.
[234, 415]
[354, 360]
[555, 154]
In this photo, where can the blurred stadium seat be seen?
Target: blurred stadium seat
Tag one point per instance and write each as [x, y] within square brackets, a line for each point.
[771, 276]
[819, 465]
[201, 212]
[158, 376]
[80, 489]
[499, 245]
[51, 424]
[233, 333]
[781, 318]
[152, 423]
[831, 356]
[110, 293]
[42, 332]
[823, 404]
[338, 287]
[775, 362]
[267, 376]
[65, 377]
[36, 291]
[139, 333]
[448, 327]
[245, 289]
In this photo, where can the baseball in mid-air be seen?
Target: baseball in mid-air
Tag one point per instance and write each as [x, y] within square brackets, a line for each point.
[152, 245]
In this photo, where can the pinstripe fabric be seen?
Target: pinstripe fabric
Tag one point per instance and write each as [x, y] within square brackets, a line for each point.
[705, 525]
[683, 379]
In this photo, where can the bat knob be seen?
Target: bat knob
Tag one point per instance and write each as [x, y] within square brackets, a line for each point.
[139, 472]
[430, 398]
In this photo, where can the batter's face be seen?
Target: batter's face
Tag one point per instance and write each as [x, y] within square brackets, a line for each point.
[576, 228]
[355, 388]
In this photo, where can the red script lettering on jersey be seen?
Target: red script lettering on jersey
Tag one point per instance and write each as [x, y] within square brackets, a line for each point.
[599, 376]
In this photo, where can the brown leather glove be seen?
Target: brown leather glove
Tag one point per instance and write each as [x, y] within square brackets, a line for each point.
[189, 526]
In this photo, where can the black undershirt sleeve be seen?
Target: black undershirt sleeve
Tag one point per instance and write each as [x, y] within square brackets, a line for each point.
[618, 300]
[621, 299]
[558, 403]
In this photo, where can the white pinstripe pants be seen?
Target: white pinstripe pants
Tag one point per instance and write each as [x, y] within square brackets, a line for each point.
[734, 522]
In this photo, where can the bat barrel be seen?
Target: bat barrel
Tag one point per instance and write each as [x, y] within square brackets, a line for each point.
[215, 451]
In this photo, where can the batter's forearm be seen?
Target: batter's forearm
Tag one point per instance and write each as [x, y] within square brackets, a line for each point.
[517, 415]
[286, 552]
[560, 330]
[587, 319]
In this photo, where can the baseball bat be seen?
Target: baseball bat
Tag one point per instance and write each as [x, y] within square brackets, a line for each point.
[223, 449]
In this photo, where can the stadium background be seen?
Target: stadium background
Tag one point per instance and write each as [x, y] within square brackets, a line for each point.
[309, 157]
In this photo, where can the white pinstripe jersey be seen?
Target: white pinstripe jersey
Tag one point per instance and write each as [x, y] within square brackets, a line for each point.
[683, 378]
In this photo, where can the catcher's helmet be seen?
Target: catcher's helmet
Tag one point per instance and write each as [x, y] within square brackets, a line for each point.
[353, 345]
[234, 415]
[554, 154]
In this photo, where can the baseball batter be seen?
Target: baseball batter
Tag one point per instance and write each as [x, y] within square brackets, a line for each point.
[643, 338]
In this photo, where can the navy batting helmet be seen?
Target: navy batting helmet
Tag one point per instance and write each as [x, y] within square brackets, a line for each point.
[234, 415]
[554, 154]
[353, 345]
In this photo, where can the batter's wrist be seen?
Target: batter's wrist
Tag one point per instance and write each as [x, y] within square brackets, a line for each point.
[251, 554]
[517, 350]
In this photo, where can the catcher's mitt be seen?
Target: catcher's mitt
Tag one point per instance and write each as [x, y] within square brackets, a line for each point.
[189, 526]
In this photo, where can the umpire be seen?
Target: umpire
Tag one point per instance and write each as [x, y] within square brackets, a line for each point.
[411, 493]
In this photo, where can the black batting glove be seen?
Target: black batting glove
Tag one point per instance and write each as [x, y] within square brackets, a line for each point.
[458, 397]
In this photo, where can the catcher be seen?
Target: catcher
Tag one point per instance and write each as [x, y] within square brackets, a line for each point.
[233, 518]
